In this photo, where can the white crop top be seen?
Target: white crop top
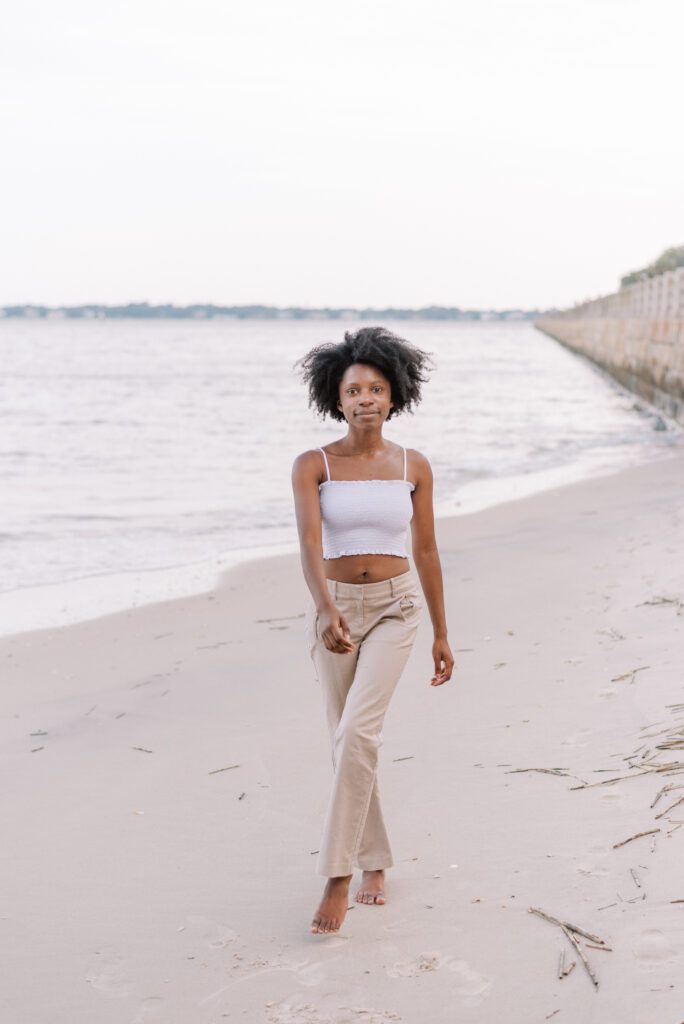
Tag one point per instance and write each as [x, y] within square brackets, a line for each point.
[365, 517]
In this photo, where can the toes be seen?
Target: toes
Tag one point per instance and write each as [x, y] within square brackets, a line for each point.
[316, 925]
[380, 898]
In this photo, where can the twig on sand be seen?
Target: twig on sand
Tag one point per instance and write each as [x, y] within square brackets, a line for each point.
[606, 949]
[215, 771]
[143, 749]
[408, 757]
[566, 924]
[663, 600]
[629, 675]
[668, 809]
[547, 771]
[673, 766]
[660, 793]
[635, 877]
[606, 782]
[580, 952]
[637, 836]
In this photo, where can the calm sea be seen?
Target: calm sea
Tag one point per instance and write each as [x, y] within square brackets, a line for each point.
[134, 445]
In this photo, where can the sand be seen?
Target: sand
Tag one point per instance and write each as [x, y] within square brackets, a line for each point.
[166, 771]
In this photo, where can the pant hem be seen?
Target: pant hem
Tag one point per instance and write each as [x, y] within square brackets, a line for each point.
[379, 864]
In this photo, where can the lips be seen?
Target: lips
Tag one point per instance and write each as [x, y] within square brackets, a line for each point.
[366, 414]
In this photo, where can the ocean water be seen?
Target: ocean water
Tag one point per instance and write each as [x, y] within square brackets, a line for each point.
[130, 446]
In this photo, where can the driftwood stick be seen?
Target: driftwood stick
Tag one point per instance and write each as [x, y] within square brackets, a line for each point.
[668, 809]
[659, 794]
[637, 836]
[580, 953]
[566, 924]
[606, 782]
[561, 963]
[616, 679]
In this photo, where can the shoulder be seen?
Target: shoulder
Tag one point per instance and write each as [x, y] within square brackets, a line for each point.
[308, 464]
[417, 461]
[418, 468]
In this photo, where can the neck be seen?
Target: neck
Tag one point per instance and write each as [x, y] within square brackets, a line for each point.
[365, 442]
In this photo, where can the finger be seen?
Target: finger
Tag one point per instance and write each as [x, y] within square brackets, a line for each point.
[342, 644]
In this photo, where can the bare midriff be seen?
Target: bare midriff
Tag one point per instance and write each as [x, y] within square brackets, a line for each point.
[365, 568]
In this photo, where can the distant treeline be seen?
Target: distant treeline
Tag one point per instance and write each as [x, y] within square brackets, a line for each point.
[669, 260]
[205, 312]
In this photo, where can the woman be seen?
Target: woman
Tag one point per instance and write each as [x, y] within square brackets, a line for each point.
[354, 500]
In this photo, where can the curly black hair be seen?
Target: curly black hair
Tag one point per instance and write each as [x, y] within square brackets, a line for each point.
[398, 360]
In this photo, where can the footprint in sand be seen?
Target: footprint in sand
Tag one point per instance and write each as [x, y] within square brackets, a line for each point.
[425, 963]
[106, 973]
[470, 982]
[654, 948]
[365, 1015]
[303, 1013]
[211, 933]
[153, 1006]
[591, 871]
[580, 739]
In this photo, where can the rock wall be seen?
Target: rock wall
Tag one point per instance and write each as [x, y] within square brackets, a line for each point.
[644, 353]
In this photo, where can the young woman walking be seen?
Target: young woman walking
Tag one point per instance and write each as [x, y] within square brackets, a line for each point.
[354, 500]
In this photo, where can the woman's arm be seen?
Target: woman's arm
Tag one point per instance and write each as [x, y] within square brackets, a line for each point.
[428, 566]
[305, 479]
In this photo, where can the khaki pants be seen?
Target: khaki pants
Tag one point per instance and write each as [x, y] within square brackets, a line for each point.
[357, 687]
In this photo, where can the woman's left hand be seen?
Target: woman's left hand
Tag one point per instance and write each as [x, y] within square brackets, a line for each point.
[444, 662]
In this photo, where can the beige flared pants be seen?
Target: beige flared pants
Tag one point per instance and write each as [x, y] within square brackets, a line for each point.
[357, 688]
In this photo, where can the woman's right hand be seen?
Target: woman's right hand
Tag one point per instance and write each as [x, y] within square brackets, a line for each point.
[334, 631]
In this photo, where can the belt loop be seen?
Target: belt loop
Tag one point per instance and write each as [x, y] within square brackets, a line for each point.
[335, 590]
[391, 583]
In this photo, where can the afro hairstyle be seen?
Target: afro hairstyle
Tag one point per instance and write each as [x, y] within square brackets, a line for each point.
[404, 366]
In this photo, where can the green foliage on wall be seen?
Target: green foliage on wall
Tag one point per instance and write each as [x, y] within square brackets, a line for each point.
[669, 260]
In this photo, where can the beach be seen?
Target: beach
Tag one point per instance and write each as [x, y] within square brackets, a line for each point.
[169, 771]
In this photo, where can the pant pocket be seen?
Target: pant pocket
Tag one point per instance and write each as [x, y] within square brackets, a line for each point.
[410, 605]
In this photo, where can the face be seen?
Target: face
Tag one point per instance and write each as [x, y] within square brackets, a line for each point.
[365, 399]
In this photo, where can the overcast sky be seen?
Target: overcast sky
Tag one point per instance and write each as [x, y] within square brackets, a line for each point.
[371, 152]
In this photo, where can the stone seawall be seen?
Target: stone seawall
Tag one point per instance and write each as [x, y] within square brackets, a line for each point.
[646, 356]
[637, 335]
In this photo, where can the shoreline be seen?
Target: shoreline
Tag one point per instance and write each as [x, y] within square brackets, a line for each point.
[170, 770]
[66, 603]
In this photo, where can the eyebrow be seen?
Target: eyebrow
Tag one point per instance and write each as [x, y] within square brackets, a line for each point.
[355, 384]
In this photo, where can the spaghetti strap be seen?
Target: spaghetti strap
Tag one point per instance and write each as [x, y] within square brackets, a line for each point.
[404, 463]
[327, 467]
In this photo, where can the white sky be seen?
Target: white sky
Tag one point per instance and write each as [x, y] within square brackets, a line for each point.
[488, 154]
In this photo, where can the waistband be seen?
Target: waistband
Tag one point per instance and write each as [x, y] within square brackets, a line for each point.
[381, 588]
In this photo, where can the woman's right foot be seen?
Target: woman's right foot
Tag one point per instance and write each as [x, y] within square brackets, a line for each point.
[333, 906]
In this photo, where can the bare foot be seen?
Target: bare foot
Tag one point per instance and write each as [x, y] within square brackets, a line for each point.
[372, 888]
[333, 906]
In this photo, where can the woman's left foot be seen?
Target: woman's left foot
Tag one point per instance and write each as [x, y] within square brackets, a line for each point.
[372, 888]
